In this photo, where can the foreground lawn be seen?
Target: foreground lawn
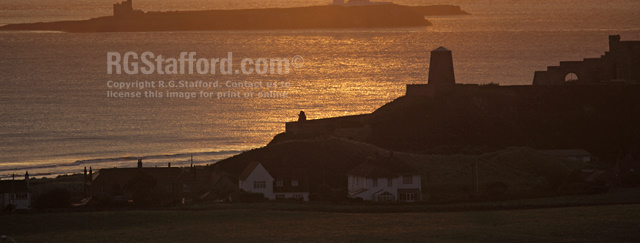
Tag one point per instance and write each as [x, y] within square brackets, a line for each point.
[617, 223]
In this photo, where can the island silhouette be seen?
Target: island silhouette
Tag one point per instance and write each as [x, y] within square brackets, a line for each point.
[363, 14]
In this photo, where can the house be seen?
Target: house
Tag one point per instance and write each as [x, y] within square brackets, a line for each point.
[385, 179]
[142, 186]
[255, 178]
[571, 154]
[15, 194]
[161, 185]
[290, 184]
[208, 184]
[628, 167]
[218, 187]
[275, 183]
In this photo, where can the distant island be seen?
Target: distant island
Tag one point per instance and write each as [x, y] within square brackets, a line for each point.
[353, 14]
[435, 10]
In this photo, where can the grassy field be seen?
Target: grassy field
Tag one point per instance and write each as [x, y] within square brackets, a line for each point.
[616, 223]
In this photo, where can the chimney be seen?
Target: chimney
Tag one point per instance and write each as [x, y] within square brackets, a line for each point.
[139, 163]
[169, 164]
[441, 67]
[26, 179]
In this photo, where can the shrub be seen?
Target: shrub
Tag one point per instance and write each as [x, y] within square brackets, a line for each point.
[496, 190]
[247, 197]
[55, 198]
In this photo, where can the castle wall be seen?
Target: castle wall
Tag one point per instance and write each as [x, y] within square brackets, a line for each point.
[541, 78]
[626, 56]
[420, 90]
[427, 90]
[621, 62]
[345, 126]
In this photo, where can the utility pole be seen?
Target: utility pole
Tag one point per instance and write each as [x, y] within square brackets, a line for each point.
[12, 196]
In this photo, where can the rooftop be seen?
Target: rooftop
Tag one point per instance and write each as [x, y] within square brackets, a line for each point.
[289, 175]
[7, 186]
[383, 166]
[247, 171]
[124, 175]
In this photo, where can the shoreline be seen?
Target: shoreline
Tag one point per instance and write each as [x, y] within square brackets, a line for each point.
[156, 160]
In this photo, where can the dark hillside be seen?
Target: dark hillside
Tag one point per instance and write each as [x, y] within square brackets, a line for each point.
[602, 119]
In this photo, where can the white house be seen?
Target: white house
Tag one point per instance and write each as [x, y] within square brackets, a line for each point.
[16, 193]
[279, 184]
[255, 178]
[385, 180]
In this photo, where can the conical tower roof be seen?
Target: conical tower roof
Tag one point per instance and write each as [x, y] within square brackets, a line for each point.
[441, 49]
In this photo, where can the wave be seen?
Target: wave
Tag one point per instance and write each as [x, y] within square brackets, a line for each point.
[179, 155]
[89, 162]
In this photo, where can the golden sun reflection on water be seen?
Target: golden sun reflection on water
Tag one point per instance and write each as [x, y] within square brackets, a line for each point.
[57, 112]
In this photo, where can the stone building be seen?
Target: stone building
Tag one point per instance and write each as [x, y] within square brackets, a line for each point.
[618, 65]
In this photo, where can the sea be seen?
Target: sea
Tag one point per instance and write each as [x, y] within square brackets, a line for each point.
[58, 113]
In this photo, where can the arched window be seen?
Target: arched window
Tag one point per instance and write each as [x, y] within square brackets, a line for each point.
[571, 77]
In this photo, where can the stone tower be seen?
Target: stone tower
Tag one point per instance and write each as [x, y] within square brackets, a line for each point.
[122, 9]
[441, 67]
